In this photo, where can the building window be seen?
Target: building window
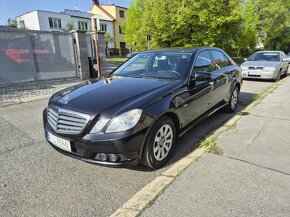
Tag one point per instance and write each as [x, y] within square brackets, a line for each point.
[121, 13]
[123, 45]
[21, 24]
[103, 27]
[83, 25]
[54, 23]
[120, 30]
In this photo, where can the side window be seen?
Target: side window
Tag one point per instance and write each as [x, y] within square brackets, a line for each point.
[283, 55]
[219, 59]
[203, 63]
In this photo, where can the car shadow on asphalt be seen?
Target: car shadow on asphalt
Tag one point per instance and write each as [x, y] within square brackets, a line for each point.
[193, 137]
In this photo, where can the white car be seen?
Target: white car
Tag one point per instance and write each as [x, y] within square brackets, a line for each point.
[269, 65]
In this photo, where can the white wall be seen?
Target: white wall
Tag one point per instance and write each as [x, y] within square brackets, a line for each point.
[44, 23]
[30, 20]
[75, 21]
[38, 20]
[110, 29]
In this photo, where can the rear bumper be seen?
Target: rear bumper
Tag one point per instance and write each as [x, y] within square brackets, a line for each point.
[126, 146]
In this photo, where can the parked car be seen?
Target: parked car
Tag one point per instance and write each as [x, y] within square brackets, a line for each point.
[288, 56]
[132, 54]
[137, 112]
[269, 65]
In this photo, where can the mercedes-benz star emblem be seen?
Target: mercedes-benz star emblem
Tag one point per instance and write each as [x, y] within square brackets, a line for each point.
[66, 99]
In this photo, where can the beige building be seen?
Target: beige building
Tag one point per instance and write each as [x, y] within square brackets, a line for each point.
[118, 15]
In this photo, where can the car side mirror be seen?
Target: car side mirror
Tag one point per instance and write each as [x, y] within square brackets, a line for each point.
[202, 76]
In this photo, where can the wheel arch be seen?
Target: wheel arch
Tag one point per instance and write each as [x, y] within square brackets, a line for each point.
[238, 85]
[174, 117]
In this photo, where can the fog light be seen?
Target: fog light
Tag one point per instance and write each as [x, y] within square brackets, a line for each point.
[122, 157]
[113, 157]
[101, 156]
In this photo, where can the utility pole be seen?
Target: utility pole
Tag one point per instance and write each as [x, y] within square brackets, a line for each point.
[96, 46]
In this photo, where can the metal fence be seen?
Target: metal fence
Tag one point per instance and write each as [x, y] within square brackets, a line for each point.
[35, 55]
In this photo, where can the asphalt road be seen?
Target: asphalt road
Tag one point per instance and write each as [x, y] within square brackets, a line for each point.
[36, 180]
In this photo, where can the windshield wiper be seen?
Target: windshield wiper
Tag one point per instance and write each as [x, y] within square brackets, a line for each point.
[134, 76]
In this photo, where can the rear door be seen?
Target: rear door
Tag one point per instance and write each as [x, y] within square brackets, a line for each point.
[221, 77]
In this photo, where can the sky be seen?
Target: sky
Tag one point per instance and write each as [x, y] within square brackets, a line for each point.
[14, 8]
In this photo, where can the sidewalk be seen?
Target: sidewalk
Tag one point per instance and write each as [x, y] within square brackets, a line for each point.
[39, 90]
[250, 178]
[22, 92]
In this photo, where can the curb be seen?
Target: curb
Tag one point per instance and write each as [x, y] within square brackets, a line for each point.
[144, 198]
[24, 100]
[35, 98]
[147, 195]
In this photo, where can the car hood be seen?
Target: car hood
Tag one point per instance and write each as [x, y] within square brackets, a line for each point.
[111, 95]
[260, 64]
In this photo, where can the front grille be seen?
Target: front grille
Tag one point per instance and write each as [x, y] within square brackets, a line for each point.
[256, 68]
[66, 121]
[254, 75]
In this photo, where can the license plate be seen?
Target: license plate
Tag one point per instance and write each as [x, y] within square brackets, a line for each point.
[255, 73]
[58, 142]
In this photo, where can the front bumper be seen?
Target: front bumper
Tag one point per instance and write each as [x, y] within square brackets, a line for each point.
[126, 146]
[265, 75]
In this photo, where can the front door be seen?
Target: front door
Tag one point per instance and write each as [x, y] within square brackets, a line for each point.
[200, 92]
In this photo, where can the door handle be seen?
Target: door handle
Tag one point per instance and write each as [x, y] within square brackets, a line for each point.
[213, 82]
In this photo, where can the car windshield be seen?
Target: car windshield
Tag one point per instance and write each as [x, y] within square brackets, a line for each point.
[161, 65]
[265, 56]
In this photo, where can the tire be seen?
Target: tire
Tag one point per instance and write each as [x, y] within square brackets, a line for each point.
[278, 76]
[156, 150]
[232, 105]
[286, 71]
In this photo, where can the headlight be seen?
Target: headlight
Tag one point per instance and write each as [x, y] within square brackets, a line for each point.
[124, 121]
[270, 68]
[244, 68]
[99, 125]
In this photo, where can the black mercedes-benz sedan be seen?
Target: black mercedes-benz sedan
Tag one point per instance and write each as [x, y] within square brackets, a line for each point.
[136, 113]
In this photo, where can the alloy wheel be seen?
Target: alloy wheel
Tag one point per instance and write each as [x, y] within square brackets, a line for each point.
[234, 99]
[163, 142]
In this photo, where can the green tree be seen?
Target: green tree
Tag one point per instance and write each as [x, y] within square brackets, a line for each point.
[274, 23]
[238, 26]
[12, 23]
[248, 34]
[69, 26]
[135, 28]
[188, 23]
[108, 39]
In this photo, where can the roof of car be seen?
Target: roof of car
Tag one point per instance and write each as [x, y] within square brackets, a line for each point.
[268, 51]
[182, 49]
